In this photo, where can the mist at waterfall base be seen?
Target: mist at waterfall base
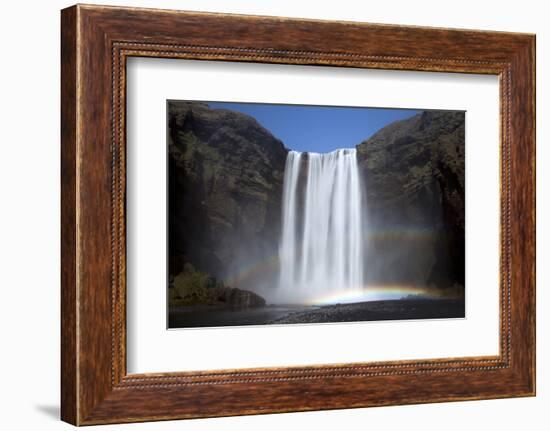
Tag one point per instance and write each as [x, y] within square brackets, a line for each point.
[322, 258]
[326, 251]
[324, 235]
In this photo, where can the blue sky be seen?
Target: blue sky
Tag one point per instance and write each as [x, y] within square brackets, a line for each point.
[318, 128]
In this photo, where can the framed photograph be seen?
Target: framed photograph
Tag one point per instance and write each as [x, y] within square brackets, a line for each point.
[320, 226]
[265, 214]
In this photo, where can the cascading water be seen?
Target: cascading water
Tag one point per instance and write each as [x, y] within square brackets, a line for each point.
[321, 242]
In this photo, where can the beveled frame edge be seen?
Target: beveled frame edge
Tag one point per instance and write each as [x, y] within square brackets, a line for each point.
[96, 41]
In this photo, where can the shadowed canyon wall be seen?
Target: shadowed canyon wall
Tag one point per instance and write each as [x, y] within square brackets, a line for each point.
[225, 186]
[414, 175]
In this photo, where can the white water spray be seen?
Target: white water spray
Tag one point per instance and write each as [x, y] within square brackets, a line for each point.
[321, 243]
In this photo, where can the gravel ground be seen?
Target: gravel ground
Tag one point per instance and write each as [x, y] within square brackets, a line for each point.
[379, 310]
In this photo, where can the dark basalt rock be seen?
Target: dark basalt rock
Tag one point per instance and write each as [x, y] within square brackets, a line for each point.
[414, 175]
[225, 177]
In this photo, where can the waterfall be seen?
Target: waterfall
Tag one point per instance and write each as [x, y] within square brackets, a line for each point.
[320, 249]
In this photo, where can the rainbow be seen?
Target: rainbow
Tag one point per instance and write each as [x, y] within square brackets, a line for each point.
[255, 269]
[373, 293]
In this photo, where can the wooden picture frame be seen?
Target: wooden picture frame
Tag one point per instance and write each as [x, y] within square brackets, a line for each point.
[95, 43]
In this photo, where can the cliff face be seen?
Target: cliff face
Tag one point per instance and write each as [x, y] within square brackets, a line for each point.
[225, 177]
[413, 171]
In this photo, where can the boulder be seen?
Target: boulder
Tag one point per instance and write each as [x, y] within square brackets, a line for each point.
[238, 298]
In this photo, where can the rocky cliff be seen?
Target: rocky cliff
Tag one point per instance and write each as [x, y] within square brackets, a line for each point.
[225, 177]
[413, 171]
